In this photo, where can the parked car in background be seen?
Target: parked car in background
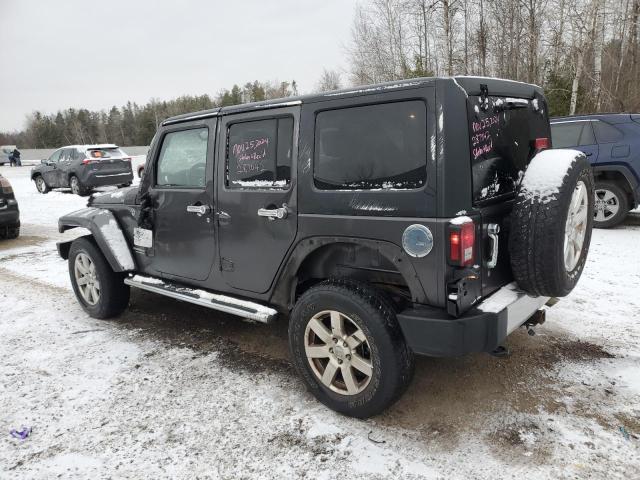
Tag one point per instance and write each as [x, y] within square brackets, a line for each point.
[9, 212]
[6, 152]
[611, 142]
[82, 168]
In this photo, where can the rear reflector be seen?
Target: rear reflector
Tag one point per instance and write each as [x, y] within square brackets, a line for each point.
[462, 238]
[541, 144]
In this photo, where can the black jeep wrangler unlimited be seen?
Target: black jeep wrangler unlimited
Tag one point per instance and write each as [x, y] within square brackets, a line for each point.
[417, 217]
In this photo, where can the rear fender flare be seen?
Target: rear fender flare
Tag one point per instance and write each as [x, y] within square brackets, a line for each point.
[632, 181]
[106, 232]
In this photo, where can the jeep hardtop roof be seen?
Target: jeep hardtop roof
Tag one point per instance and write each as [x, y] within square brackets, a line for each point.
[468, 85]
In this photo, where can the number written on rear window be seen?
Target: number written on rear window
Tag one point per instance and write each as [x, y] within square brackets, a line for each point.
[259, 153]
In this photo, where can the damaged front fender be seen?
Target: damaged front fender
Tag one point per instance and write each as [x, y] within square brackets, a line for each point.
[106, 232]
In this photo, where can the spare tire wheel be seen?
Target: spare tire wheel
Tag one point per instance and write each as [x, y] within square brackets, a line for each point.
[551, 223]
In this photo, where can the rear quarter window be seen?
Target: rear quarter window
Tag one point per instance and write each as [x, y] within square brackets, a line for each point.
[606, 133]
[371, 147]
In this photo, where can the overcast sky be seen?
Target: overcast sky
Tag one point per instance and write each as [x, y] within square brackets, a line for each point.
[57, 54]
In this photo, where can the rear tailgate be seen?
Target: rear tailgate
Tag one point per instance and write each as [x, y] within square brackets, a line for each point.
[108, 161]
[503, 132]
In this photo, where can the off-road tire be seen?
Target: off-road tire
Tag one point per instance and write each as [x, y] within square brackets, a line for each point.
[537, 235]
[77, 188]
[41, 185]
[114, 293]
[392, 360]
[623, 207]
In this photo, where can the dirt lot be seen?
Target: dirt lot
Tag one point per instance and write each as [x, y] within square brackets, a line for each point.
[171, 390]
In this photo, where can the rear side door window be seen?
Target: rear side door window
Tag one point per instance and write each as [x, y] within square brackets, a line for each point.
[183, 159]
[572, 134]
[371, 147]
[259, 153]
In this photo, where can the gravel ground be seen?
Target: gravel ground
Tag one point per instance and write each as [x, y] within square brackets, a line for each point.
[170, 390]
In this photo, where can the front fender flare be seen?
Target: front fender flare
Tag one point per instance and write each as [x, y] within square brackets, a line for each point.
[106, 232]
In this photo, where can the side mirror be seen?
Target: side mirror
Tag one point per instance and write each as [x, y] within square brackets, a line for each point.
[44, 162]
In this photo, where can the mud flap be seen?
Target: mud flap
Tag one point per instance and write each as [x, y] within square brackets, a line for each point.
[106, 232]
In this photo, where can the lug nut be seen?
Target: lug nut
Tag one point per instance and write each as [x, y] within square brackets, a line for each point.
[339, 362]
[344, 344]
[335, 340]
[331, 350]
[348, 357]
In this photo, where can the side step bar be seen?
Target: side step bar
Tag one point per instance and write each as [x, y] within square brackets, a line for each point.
[222, 303]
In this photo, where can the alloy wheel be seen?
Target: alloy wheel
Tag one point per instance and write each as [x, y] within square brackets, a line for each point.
[40, 184]
[576, 226]
[338, 352]
[607, 205]
[75, 187]
[86, 278]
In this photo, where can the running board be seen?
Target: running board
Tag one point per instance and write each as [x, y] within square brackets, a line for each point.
[222, 303]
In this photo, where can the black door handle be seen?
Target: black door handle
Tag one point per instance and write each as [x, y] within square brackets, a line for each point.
[589, 154]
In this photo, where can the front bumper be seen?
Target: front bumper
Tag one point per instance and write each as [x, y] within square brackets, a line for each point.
[433, 332]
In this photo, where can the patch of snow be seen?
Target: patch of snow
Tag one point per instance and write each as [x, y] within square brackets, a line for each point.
[501, 299]
[546, 172]
[460, 220]
[117, 243]
[259, 183]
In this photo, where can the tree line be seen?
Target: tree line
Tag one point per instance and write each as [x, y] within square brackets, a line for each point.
[584, 53]
[130, 124]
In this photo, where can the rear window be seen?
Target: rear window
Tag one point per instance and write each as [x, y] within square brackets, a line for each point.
[502, 139]
[381, 146]
[98, 153]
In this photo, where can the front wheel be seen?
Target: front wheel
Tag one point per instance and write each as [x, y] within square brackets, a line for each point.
[347, 345]
[41, 185]
[101, 292]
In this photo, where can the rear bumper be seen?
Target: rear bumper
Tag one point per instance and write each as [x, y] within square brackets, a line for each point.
[97, 179]
[431, 331]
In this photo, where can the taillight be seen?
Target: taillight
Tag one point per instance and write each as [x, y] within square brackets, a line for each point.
[541, 143]
[126, 159]
[462, 238]
[87, 161]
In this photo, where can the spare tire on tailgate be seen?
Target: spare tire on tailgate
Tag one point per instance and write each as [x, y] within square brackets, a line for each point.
[551, 223]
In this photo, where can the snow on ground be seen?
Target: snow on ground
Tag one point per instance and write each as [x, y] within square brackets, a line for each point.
[170, 390]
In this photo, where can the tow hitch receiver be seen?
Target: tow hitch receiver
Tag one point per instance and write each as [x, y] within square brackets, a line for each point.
[538, 318]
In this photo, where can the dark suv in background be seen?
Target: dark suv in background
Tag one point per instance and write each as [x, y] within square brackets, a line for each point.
[82, 168]
[611, 142]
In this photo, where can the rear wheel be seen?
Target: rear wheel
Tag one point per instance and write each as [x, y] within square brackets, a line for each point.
[347, 345]
[611, 205]
[41, 185]
[101, 292]
[76, 186]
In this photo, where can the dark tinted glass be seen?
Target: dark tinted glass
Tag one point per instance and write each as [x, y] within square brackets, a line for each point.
[586, 137]
[606, 133]
[55, 156]
[259, 153]
[371, 147]
[565, 135]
